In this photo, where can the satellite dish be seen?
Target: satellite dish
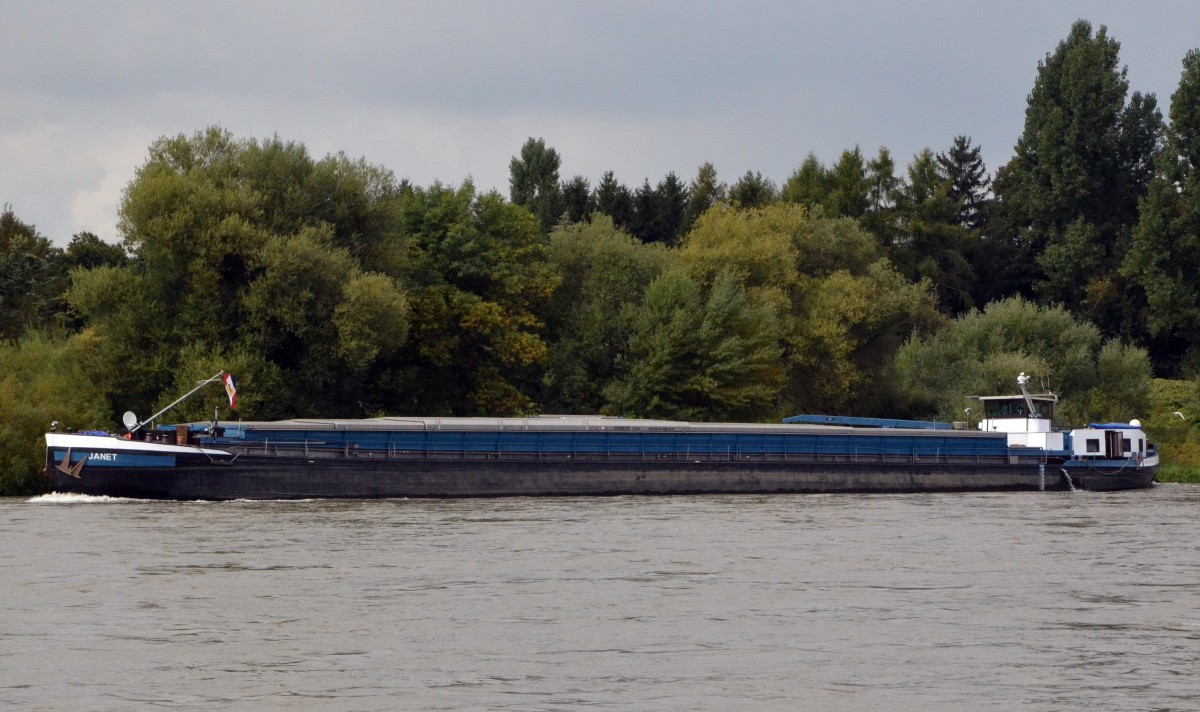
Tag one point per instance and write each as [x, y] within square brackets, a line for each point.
[129, 419]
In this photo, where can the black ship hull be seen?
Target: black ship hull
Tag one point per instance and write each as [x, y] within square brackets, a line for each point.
[250, 477]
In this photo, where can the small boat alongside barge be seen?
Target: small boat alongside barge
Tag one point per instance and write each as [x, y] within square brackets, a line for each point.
[1014, 449]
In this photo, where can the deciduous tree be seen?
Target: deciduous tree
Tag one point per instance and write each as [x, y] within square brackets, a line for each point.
[695, 355]
[533, 182]
[1164, 258]
[842, 309]
[1080, 161]
[603, 271]
[479, 278]
[32, 277]
[981, 353]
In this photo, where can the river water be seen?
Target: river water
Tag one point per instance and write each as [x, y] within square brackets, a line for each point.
[1037, 601]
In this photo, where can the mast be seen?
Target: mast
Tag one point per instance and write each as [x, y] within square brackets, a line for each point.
[1022, 379]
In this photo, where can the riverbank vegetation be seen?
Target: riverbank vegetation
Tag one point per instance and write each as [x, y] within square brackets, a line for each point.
[333, 288]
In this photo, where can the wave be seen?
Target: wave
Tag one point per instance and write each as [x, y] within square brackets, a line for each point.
[69, 498]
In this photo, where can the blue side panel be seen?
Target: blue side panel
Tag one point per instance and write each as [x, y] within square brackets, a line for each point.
[866, 422]
[113, 459]
[861, 442]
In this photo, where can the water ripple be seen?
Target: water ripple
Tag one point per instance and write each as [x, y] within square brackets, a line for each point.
[1038, 601]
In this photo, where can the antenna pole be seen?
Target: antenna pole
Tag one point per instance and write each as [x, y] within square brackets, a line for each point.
[1021, 381]
[189, 394]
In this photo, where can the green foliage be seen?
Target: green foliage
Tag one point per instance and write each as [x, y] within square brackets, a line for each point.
[322, 270]
[132, 335]
[850, 186]
[1172, 422]
[533, 182]
[577, 199]
[880, 217]
[842, 310]
[656, 214]
[1123, 380]
[704, 192]
[931, 244]
[670, 205]
[981, 353]
[1072, 188]
[1184, 474]
[289, 316]
[245, 246]
[808, 185]
[88, 250]
[371, 318]
[32, 277]
[693, 356]
[963, 167]
[757, 245]
[752, 191]
[603, 269]
[261, 384]
[479, 275]
[1164, 258]
[777, 246]
[331, 289]
[1184, 135]
[844, 334]
[43, 377]
[614, 200]
[1069, 261]
[642, 222]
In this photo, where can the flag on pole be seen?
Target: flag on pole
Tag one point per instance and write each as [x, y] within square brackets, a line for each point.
[231, 390]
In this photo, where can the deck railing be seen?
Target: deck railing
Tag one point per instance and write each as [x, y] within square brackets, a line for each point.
[314, 450]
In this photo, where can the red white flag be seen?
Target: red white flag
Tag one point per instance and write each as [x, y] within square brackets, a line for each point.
[231, 390]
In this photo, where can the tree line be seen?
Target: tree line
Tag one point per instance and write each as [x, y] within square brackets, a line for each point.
[334, 289]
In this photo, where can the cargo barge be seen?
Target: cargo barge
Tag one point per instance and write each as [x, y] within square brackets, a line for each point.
[1013, 449]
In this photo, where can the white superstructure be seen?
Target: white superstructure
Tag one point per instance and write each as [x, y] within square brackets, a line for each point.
[1026, 418]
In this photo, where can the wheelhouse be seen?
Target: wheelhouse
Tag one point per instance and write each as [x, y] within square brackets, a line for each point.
[1026, 418]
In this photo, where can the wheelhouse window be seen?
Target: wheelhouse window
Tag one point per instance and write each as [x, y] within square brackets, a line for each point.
[1004, 408]
[1016, 408]
[1093, 445]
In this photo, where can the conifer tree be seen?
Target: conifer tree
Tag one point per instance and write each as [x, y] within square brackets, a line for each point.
[578, 203]
[808, 185]
[963, 166]
[752, 191]
[614, 200]
[704, 192]
[670, 205]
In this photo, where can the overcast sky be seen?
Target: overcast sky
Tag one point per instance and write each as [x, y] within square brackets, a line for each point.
[448, 90]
